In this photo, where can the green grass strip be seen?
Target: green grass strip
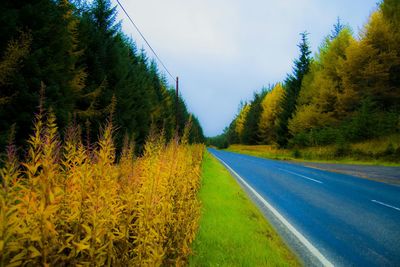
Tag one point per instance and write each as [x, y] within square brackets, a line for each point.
[233, 232]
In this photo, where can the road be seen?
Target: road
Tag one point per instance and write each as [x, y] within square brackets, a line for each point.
[327, 218]
[390, 175]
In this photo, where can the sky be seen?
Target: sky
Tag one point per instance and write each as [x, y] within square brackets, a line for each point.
[225, 50]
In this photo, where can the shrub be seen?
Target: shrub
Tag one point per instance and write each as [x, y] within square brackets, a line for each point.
[389, 150]
[301, 139]
[64, 205]
[342, 148]
[296, 154]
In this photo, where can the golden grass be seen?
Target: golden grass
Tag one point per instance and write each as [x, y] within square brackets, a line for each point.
[379, 145]
[380, 151]
[266, 151]
[68, 205]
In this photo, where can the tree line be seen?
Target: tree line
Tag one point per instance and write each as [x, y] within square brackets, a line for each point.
[348, 92]
[74, 52]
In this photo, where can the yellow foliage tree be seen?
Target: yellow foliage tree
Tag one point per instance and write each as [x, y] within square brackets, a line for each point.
[317, 104]
[241, 119]
[270, 110]
[372, 66]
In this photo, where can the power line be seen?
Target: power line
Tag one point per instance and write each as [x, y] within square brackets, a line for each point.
[137, 28]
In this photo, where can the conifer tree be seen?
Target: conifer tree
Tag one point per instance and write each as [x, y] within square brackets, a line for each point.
[250, 126]
[292, 88]
[317, 102]
[77, 50]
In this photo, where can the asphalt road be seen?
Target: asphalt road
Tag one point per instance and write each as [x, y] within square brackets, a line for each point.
[390, 175]
[327, 218]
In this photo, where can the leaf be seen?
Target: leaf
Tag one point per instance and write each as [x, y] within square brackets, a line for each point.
[19, 256]
[87, 229]
[34, 252]
[14, 264]
[81, 246]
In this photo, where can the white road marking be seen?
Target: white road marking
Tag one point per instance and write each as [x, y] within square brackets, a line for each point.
[384, 204]
[324, 261]
[305, 177]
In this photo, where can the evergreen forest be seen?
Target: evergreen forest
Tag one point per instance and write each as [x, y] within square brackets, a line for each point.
[349, 91]
[74, 56]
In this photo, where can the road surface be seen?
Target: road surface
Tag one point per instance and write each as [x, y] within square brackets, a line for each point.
[327, 218]
[390, 175]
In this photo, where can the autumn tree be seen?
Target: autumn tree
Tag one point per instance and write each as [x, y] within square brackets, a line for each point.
[240, 121]
[270, 110]
[317, 103]
[373, 63]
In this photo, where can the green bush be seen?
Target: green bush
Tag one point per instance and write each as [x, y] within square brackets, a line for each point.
[296, 154]
[389, 150]
[342, 147]
[325, 136]
[301, 139]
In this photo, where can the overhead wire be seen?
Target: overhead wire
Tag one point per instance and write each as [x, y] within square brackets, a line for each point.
[144, 38]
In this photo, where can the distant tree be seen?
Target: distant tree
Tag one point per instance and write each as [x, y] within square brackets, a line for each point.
[351, 91]
[292, 88]
[219, 141]
[270, 110]
[250, 134]
[317, 102]
[196, 134]
[240, 121]
[231, 134]
[372, 66]
[337, 28]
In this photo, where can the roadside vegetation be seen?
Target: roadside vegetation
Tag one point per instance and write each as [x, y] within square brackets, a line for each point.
[340, 104]
[232, 231]
[380, 151]
[74, 204]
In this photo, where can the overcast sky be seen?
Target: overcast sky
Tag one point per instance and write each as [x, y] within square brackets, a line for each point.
[224, 50]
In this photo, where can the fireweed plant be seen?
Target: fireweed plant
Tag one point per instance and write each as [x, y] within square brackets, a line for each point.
[69, 204]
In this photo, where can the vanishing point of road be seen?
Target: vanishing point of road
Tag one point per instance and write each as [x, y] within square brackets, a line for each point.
[329, 219]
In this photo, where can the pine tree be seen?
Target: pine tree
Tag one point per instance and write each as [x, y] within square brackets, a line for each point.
[250, 134]
[88, 66]
[292, 88]
[49, 61]
[337, 28]
[317, 103]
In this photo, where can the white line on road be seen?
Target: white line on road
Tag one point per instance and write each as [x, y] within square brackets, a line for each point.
[300, 237]
[384, 204]
[305, 177]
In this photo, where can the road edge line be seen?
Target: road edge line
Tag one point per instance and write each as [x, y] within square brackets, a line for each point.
[289, 226]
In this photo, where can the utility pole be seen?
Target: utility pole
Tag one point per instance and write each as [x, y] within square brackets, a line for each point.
[177, 105]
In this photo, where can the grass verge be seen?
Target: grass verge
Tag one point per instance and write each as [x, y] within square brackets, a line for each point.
[383, 151]
[232, 230]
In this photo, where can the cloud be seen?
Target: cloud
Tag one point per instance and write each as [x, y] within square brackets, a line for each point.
[224, 50]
